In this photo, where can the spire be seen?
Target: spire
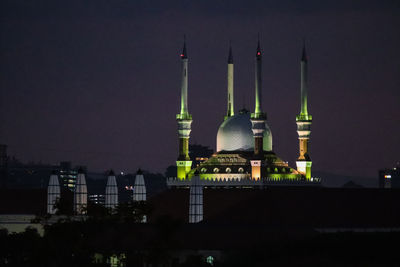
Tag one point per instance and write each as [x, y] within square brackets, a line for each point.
[184, 114]
[258, 53]
[258, 113]
[304, 84]
[230, 56]
[184, 53]
[230, 109]
[304, 54]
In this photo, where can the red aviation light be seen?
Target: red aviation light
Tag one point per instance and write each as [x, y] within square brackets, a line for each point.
[182, 55]
[258, 53]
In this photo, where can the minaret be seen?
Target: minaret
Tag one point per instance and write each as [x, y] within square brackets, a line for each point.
[80, 194]
[53, 193]
[196, 200]
[258, 118]
[303, 121]
[184, 120]
[230, 111]
[111, 191]
[139, 188]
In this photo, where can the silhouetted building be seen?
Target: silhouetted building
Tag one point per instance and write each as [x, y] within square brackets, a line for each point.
[3, 166]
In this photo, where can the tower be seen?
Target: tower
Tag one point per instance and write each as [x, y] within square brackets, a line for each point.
[80, 194]
[184, 120]
[304, 121]
[258, 118]
[230, 112]
[139, 191]
[111, 191]
[53, 193]
[139, 188]
[196, 200]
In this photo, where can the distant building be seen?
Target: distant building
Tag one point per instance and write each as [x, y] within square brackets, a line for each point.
[389, 178]
[98, 199]
[68, 174]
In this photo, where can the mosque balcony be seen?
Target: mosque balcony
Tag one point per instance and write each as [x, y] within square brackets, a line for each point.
[259, 116]
[185, 116]
[304, 117]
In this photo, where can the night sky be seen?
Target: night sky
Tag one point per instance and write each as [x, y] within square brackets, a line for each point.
[98, 82]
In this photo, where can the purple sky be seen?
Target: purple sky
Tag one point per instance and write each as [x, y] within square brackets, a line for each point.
[98, 82]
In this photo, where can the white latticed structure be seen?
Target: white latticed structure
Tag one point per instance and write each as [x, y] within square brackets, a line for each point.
[196, 200]
[111, 200]
[53, 193]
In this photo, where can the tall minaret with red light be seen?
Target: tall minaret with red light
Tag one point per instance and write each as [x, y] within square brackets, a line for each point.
[184, 119]
[258, 118]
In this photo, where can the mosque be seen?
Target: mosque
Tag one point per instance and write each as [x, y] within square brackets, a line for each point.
[244, 153]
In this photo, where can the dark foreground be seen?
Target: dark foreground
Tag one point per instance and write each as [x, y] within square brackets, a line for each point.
[170, 243]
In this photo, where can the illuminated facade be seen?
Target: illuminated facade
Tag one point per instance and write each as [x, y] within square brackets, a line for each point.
[68, 175]
[245, 155]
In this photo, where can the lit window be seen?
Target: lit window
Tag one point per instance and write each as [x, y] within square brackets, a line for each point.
[388, 176]
[203, 170]
[228, 170]
[241, 170]
[216, 170]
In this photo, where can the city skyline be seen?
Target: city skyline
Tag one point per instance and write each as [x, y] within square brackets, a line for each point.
[100, 86]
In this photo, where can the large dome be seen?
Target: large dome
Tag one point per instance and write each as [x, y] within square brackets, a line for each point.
[235, 134]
